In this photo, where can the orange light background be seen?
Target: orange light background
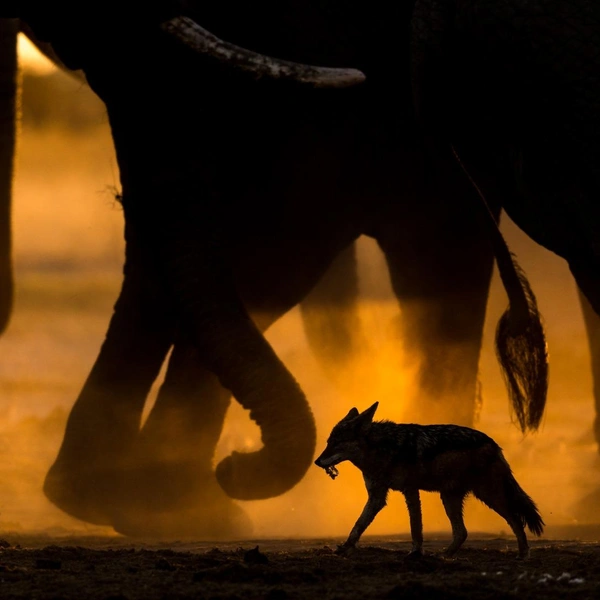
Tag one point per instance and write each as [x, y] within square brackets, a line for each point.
[68, 257]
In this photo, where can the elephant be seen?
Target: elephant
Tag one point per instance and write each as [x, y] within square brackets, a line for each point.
[540, 62]
[524, 118]
[231, 254]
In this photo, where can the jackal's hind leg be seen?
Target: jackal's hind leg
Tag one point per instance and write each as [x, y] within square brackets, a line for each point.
[499, 503]
[453, 504]
[413, 503]
[376, 501]
[519, 532]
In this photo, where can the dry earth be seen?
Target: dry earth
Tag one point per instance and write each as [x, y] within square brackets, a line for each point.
[107, 568]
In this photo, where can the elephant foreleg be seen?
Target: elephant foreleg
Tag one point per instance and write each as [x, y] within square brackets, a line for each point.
[173, 489]
[89, 477]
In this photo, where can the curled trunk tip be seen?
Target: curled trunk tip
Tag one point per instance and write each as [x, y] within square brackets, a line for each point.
[271, 471]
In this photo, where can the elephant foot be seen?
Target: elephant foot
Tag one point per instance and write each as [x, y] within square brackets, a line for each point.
[214, 521]
[168, 501]
[179, 502]
[83, 494]
[96, 493]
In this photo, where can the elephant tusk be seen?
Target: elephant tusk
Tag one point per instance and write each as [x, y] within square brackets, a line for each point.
[259, 65]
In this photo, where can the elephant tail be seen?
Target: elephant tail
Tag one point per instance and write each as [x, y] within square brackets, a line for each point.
[521, 348]
[520, 338]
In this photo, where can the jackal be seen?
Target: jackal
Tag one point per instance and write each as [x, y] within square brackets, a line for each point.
[449, 459]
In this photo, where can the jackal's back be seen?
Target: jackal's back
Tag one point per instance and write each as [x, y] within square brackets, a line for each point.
[428, 457]
[413, 443]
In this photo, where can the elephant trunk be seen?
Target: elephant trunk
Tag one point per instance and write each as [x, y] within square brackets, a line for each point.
[248, 366]
[211, 313]
[8, 96]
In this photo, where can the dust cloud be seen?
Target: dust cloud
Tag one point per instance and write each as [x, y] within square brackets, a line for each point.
[68, 257]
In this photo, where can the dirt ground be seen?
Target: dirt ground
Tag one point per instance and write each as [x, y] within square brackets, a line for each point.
[112, 568]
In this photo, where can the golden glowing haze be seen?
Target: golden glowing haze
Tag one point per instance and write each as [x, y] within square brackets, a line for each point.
[31, 59]
[68, 253]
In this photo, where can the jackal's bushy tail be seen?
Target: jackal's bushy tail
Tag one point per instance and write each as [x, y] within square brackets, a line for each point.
[523, 507]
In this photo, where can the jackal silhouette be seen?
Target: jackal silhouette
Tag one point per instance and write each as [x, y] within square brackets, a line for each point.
[452, 460]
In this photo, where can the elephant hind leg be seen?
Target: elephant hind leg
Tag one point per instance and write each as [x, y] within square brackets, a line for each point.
[592, 325]
[330, 317]
[440, 266]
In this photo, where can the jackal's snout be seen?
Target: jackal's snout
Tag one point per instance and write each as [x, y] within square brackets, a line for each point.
[324, 458]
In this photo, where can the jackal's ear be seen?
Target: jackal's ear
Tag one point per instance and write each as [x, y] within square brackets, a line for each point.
[366, 418]
[351, 415]
[370, 412]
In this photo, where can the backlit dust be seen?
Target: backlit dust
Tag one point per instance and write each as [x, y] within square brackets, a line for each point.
[68, 256]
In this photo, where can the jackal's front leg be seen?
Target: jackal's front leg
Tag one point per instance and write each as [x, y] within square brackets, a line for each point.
[376, 501]
[413, 503]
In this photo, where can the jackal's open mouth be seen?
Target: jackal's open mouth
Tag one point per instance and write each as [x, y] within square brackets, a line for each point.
[331, 471]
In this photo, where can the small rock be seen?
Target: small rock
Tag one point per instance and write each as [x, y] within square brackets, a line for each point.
[276, 594]
[48, 563]
[162, 564]
[4, 544]
[255, 557]
[412, 589]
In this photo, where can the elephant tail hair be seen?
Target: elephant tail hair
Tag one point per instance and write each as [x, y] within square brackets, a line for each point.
[520, 339]
[523, 354]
